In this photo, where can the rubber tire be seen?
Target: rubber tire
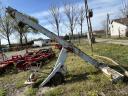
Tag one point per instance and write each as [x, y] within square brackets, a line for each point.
[57, 79]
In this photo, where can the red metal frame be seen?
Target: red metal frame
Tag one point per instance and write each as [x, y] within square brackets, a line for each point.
[24, 62]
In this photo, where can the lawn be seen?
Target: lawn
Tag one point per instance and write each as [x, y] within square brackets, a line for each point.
[82, 78]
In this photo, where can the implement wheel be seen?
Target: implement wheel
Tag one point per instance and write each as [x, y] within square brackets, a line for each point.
[57, 79]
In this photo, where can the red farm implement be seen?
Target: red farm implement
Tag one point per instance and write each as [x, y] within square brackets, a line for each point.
[33, 58]
[9, 64]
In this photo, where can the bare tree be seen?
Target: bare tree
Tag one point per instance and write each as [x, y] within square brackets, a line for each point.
[23, 33]
[24, 30]
[6, 28]
[124, 9]
[105, 26]
[56, 18]
[71, 14]
[26, 37]
[20, 31]
[81, 18]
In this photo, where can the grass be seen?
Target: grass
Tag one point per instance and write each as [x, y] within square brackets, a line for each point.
[82, 78]
[121, 38]
[2, 92]
[30, 91]
[116, 52]
[10, 82]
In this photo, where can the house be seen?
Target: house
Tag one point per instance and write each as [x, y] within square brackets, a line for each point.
[119, 27]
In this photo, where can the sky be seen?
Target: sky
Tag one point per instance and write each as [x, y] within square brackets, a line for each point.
[40, 10]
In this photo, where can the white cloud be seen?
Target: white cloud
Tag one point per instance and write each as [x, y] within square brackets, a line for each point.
[100, 8]
[40, 14]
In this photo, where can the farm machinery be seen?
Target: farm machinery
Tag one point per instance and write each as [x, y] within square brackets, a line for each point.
[35, 59]
[57, 73]
[29, 59]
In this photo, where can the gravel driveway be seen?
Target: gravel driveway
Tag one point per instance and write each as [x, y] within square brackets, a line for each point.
[112, 41]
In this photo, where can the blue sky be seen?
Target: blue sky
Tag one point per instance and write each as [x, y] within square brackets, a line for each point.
[39, 9]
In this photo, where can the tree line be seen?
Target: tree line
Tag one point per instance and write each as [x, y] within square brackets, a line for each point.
[73, 14]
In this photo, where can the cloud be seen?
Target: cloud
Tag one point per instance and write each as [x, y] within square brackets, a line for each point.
[41, 14]
[100, 8]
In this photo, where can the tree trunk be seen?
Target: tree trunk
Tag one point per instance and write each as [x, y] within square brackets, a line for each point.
[79, 37]
[58, 31]
[81, 29]
[21, 43]
[72, 37]
[26, 40]
[9, 43]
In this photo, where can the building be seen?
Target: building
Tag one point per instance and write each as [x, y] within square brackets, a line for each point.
[41, 42]
[119, 27]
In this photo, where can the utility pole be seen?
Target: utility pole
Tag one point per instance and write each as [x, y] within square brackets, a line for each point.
[79, 37]
[107, 29]
[89, 15]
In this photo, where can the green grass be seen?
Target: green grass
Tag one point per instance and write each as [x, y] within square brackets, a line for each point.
[121, 38]
[30, 91]
[10, 82]
[82, 78]
[2, 92]
[116, 52]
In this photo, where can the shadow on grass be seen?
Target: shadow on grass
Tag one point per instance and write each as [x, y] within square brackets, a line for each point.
[76, 78]
[2, 74]
[80, 77]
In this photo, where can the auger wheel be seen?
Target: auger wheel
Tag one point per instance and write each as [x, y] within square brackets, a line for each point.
[57, 79]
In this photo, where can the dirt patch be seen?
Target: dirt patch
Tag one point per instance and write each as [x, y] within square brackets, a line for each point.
[19, 92]
[43, 90]
[117, 92]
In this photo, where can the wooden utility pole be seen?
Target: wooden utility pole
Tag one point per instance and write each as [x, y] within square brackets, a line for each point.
[107, 29]
[89, 14]
[79, 37]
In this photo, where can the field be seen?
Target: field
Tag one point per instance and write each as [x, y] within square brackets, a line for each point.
[82, 78]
